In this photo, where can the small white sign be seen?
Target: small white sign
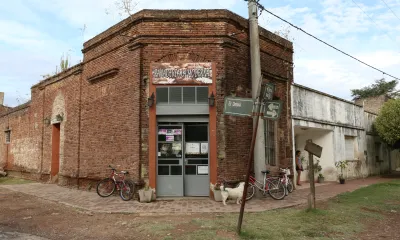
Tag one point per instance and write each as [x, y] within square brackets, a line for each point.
[204, 148]
[202, 170]
[192, 148]
[159, 154]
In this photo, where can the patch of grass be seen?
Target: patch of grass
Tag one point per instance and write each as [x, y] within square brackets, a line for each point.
[12, 181]
[157, 228]
[343, 217]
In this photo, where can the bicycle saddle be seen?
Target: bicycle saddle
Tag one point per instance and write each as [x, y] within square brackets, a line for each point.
[124, 172]
[266, 171]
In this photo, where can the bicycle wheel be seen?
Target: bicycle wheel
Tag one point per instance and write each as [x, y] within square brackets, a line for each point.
[251, 190]
[290, 186]
[105, 187]
[276, 189]
[127, 190]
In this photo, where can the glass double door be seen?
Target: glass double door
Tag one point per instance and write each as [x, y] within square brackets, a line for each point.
[183, 160]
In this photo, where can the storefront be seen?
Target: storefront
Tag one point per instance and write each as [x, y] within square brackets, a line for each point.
[183, 110]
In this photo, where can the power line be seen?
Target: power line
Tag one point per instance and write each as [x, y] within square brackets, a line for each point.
[390, 9]
[375, 22]
[322, 41]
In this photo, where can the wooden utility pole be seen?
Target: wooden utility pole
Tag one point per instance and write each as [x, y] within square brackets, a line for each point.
[249, 164]
[311, 197]
[256, 80]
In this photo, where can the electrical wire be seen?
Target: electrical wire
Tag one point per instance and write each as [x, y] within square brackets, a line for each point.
[322, 41]
[375, 22]
[390, 9]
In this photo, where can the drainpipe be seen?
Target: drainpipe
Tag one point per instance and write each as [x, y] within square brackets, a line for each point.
[41, 161]
[79, 130]
[293, 143]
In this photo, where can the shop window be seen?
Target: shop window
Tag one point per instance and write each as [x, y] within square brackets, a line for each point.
[270, 142]
[162, 95]
[176, 170]
[189, 95]
[349, 142]
[163, 170]
[175, 95]
[202, 94]
[8, 136]
[190, 169]
[182, 95]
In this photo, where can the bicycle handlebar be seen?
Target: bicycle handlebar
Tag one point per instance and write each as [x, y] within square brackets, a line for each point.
[123, 172]
[111, 167]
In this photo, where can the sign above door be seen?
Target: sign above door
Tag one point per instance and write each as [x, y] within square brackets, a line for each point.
[182, 73]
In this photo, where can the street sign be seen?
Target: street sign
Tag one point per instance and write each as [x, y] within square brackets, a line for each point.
[314, 149]
[269, 91]
[272, 109]
[242, 107]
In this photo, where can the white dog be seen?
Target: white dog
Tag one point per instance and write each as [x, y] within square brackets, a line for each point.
[232, 193]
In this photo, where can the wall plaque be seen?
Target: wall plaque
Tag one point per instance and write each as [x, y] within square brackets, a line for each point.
[181, 73]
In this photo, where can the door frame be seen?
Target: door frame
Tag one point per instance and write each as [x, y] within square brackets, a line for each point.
[55, 149]
[183, 158]
[152, 131]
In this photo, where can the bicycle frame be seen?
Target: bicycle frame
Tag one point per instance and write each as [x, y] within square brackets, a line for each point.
[285, 179]
[117, 182]
[261, 186]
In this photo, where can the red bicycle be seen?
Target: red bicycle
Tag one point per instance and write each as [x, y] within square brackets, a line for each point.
[107, 186]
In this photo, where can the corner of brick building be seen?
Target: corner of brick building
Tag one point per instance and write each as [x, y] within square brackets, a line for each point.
[106, 121]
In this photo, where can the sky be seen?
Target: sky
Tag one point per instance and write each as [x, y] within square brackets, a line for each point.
[34, 34]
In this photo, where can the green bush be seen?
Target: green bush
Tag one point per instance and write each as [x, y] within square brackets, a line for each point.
[387, 124]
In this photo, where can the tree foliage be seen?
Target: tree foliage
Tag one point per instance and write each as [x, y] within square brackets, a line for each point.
[380, 87]
[387, 124]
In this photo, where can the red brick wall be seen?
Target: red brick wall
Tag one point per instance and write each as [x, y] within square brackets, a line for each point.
[3, 110]
[61, 97]
[110, 117]
[3, 145]
[22, 153]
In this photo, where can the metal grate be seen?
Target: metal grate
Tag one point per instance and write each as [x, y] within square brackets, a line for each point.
[8, 137]
[270, 142]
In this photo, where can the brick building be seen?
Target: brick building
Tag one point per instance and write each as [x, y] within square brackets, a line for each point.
[143, 100]
[373, 104]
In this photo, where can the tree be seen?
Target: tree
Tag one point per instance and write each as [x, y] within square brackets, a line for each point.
[387, 124]
[124, 7]
[380, 87]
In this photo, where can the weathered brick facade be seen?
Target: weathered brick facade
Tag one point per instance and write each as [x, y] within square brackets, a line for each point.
[103, 101]
[372, 104]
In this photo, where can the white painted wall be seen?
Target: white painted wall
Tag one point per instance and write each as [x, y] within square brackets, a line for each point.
[395, 159]
[328, 120]
[323, 138]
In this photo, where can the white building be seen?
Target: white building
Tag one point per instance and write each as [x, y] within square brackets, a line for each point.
[344, 130]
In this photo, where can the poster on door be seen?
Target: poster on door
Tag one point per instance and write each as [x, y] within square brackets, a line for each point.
[192, 148]
[169, 132]
[204, 148]
[202, 170]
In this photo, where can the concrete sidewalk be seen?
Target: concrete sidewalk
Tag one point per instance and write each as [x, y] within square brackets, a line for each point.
[90, 201]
